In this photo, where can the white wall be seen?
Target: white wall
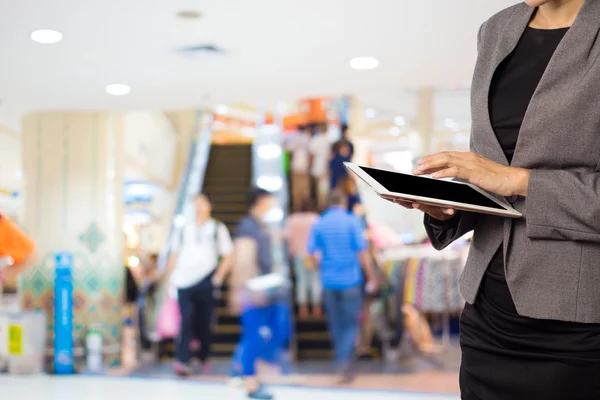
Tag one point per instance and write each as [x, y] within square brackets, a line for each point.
[10, 171]
[10, 160]
[150, 146]
[150, 155]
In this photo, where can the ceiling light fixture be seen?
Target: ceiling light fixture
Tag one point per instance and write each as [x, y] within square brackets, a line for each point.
[221, 109]
[395, 131]
[451, 124]
[400, 121]
[118, 89]
[364, 63]
[46, 36]
[189, 14]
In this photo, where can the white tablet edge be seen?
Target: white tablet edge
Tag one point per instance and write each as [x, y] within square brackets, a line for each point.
[507, 209]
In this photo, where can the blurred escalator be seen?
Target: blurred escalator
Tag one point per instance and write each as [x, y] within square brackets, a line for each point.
[228, 180]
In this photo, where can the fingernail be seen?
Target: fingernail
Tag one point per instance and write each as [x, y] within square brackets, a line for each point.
[436, 175]
[419, 162]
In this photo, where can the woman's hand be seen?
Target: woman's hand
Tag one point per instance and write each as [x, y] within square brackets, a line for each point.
[441, 214]
[478, 170]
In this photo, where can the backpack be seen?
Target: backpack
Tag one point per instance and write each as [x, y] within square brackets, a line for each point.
[218, 225]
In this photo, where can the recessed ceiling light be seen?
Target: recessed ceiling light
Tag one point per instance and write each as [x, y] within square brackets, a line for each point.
[118, 89]
[400, 121]
[46, 36]
[364, 63]
[395, 131]
[189, 14]
[370, 113]
[451, 124]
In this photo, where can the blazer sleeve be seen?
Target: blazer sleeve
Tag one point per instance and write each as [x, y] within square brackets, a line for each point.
[443, 233]
[563, 205]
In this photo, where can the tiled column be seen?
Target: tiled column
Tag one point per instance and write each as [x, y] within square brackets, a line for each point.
[73, 179]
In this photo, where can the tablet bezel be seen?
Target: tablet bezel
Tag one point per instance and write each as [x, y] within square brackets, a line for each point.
[507, 211]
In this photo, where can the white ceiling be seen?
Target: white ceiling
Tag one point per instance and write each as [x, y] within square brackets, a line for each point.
[275, 50]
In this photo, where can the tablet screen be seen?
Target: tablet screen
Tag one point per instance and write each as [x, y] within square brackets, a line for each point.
[426, 187]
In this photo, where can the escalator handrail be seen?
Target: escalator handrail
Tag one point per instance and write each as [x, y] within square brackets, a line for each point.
[188, 187]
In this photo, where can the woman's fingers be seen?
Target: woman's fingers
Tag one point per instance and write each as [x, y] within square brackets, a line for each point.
[403, 203]
[438, 213]
[452, 172]
[445, 160]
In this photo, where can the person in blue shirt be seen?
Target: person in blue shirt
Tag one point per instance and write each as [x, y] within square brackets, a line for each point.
[338, 243]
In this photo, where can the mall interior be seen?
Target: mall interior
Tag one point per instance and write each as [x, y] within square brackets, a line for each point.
[115, 115]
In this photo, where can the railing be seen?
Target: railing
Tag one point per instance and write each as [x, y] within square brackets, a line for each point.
[191, 181]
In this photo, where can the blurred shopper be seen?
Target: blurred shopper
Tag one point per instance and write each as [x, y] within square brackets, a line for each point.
[344, 140]
[350, 189]
[337, 169]
[132, 288]
[147, 298]
[197, 270]
[17, 251]
[320, 149]
[338, 241]
[297, 230]
[299, 147]
[259, 312]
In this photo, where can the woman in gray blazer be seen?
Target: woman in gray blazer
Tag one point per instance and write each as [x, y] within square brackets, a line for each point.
[531, 325]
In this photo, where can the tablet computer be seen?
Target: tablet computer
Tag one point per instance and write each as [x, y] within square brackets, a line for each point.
[393, 185]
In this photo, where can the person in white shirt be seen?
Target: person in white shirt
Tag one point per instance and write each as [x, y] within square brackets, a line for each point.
[320, 149]
[300, 167]
[201, 256]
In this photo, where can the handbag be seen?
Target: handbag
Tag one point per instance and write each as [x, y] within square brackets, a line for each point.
[168, 323]
[266, 290]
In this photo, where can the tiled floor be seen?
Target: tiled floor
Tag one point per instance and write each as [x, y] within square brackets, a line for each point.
[415, 374]
[101, 388]
[370, 376]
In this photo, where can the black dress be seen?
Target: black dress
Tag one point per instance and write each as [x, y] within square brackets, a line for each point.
[506, 356]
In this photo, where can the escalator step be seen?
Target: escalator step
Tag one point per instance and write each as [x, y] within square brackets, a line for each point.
[228, 180]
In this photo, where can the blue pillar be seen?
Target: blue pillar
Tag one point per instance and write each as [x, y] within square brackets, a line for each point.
[63, 315]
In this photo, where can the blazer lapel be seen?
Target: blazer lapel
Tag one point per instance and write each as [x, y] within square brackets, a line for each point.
[507, 42]
[572, 56]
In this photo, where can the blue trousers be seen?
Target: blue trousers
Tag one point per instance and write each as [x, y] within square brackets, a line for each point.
[270, 349]
[260, 337]
[343, 310]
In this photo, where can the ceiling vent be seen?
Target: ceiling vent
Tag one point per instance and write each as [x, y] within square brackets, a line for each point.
[200, 50]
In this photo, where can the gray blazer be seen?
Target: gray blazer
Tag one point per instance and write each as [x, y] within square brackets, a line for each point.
[552, 254]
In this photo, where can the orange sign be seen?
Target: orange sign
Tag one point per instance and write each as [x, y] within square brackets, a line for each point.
[293, 121]
[315, 109]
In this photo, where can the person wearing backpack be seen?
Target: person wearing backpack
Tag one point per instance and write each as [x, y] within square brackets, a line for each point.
[201, 256]
[256, 294]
